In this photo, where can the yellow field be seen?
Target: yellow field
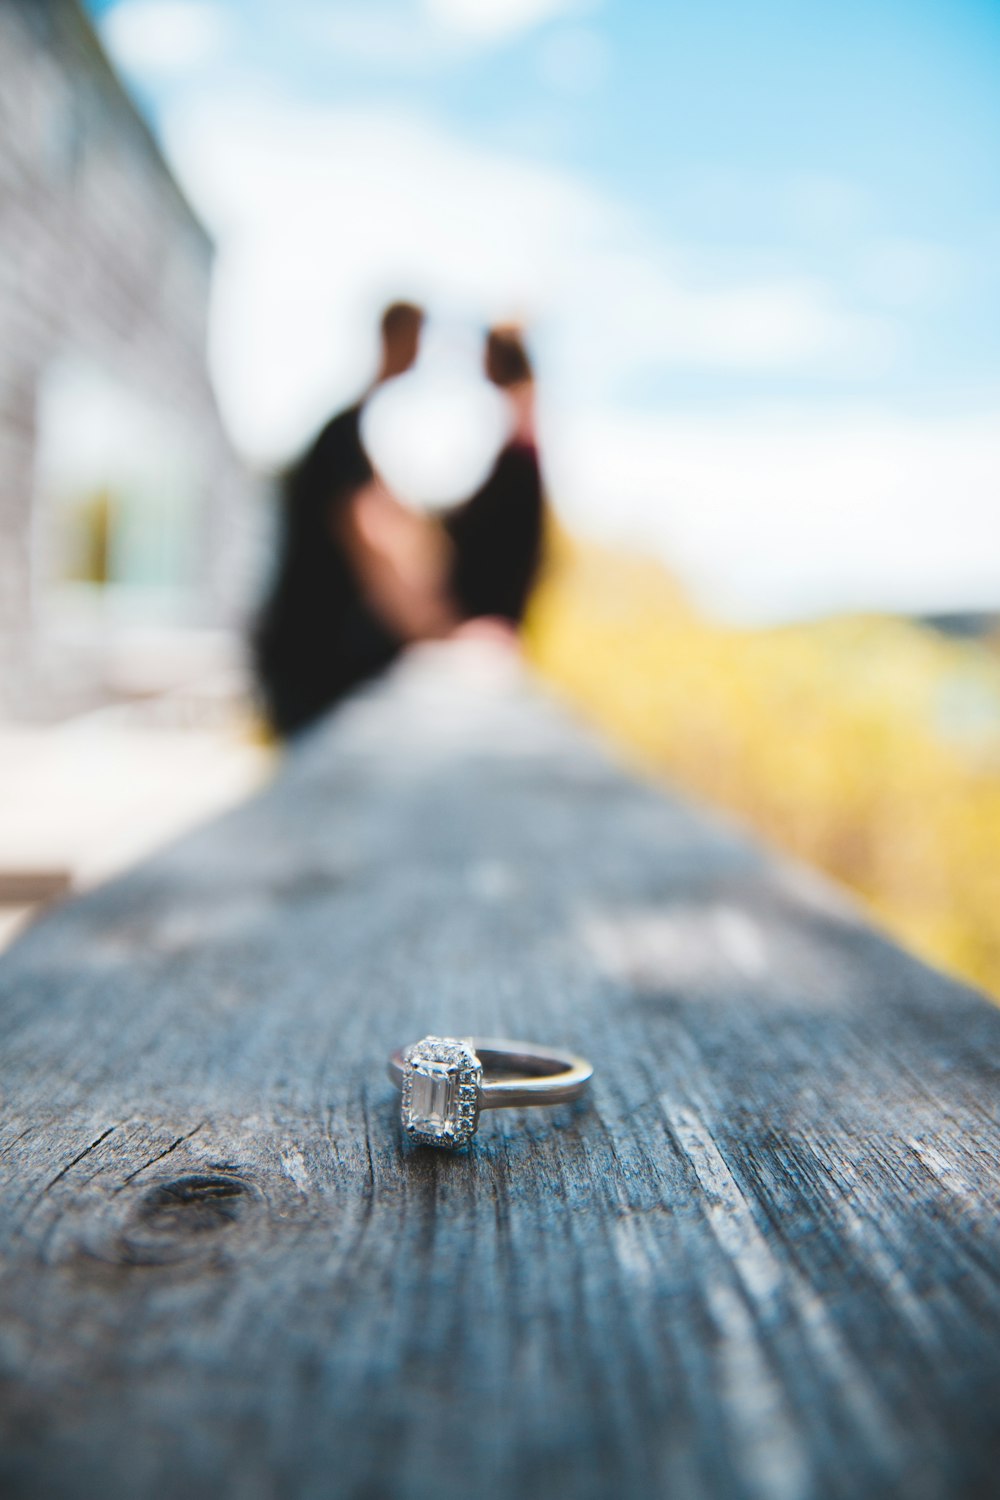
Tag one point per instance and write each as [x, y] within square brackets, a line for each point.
[868, 746]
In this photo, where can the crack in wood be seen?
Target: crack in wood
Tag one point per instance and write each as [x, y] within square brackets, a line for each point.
[70, 1165]
[8, 1148]
[154, 1159]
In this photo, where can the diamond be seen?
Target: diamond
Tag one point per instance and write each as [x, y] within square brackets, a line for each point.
[441, 1092]
[432, 1096]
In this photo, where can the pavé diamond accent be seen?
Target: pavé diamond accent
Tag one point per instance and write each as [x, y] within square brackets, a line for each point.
[440, 1105]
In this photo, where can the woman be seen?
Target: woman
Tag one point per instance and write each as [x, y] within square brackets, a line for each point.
[497, 534]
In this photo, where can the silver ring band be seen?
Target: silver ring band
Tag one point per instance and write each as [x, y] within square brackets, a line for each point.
[444, 1088]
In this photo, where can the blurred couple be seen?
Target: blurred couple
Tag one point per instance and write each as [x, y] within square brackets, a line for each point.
[360, 575]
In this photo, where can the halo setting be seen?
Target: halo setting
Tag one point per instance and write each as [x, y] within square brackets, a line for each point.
[442, 1081]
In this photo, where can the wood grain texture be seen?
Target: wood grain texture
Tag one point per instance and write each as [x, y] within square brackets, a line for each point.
[762, 1261]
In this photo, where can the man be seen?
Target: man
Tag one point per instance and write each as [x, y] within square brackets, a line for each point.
[318, 636]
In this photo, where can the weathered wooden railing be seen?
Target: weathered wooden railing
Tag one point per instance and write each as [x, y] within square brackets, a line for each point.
[762, 1261]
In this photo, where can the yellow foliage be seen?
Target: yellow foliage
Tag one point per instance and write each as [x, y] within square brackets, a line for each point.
[867, 745]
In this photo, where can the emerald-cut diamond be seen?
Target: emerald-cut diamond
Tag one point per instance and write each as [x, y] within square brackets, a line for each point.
[441, 1085]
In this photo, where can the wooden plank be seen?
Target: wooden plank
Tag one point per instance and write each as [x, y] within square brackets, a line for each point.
[762, 1261]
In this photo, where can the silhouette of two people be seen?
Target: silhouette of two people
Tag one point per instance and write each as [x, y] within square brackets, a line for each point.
[360, 575]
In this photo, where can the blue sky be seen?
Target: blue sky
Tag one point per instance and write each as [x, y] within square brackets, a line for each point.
[759, 245]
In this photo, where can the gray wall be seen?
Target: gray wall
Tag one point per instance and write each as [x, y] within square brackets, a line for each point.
[100, 258]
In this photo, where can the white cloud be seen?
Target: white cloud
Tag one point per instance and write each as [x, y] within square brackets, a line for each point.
[401, 36]
[770, 512]
[434, 433]
[387, 38]
[323, 212]
[493, 19]
[159, 36]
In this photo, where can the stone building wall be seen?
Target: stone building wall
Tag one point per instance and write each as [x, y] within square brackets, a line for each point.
[102, 260]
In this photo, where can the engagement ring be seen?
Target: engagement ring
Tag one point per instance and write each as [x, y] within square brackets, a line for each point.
[444, 1091]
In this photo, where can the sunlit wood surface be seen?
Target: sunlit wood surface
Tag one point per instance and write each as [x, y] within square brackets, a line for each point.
[762, 1261]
